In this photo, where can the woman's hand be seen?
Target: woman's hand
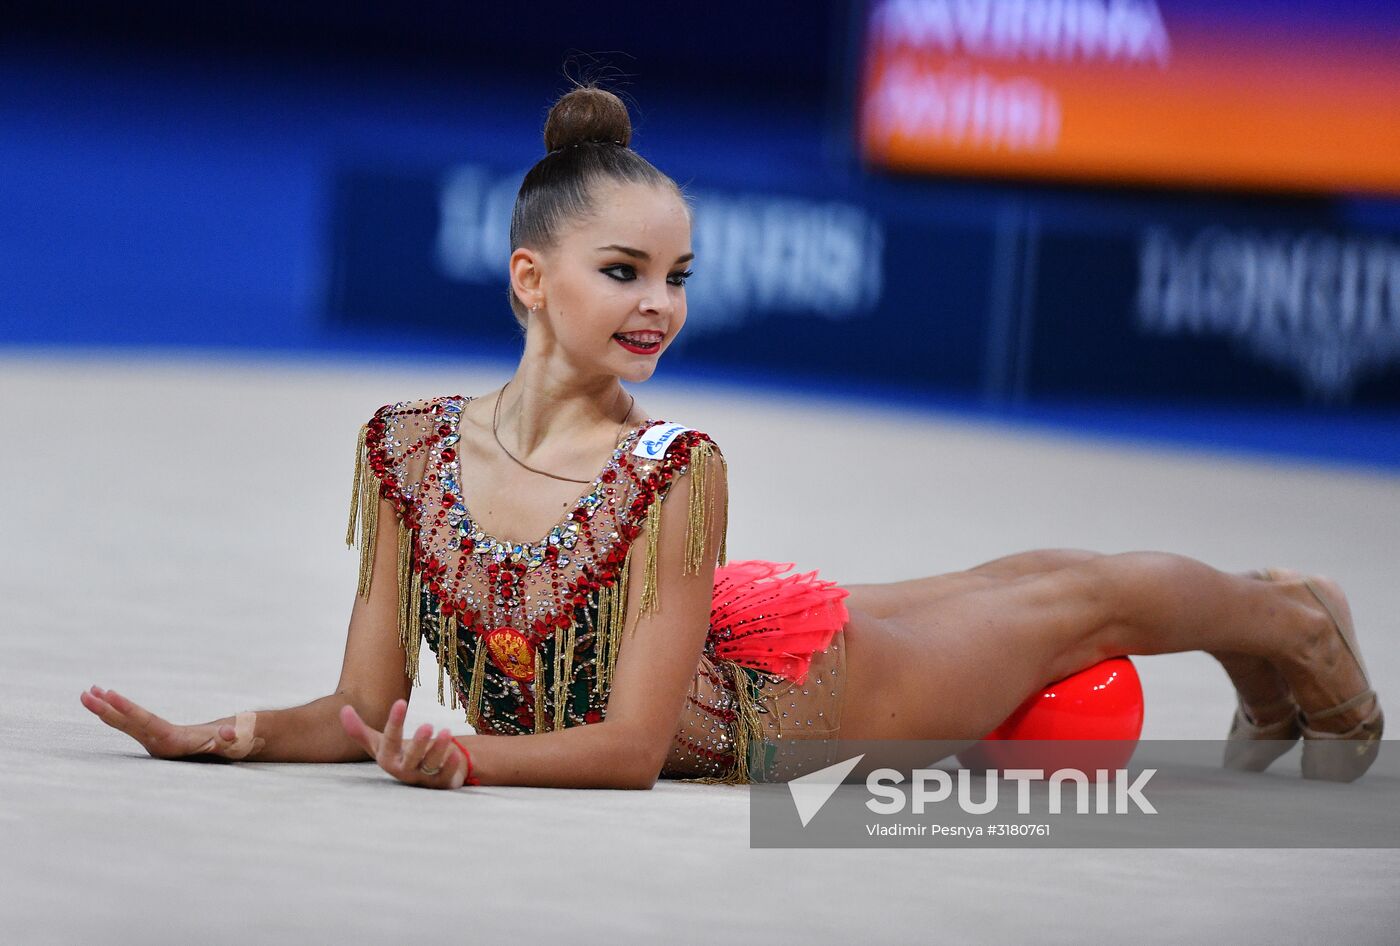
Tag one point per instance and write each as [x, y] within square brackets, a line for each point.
[160, 738]
[410, 763]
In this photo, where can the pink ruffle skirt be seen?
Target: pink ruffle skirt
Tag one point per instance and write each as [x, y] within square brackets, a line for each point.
[772, 622]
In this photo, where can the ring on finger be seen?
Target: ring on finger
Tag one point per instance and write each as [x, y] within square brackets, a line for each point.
[424, 761]
[413, 749]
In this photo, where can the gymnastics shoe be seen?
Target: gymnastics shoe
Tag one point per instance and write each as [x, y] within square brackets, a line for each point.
[1251, 747]
[1342, 756]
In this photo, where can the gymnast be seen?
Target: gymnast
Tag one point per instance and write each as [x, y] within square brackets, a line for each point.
[563, 554]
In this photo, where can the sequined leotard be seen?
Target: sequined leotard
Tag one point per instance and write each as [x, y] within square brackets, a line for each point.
[528, 635]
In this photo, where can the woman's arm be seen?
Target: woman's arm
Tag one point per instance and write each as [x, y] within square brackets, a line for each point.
[307, 733]
[372, 676]
[660, 654]
[592, 756]
[658, 659]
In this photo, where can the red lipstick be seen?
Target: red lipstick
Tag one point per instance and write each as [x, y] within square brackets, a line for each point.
[638, 348]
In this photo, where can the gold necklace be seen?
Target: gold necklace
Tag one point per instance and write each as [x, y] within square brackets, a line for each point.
[496, 420]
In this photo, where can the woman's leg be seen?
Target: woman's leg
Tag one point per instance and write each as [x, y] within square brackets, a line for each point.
[1277, 619]
[1034, 562]
[1262, 688]
[954, 667]
[882, 599]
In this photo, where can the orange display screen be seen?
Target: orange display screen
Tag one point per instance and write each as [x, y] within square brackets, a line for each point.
[1303, 95]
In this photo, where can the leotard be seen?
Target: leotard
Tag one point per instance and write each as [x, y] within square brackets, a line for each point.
[526, 635]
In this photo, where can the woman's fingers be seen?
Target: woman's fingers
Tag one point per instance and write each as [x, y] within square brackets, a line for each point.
[160, 738]
[450, 760]
[357, 729]
[95, 699]
[110, 710]
[393, 729]
[104, 711]
[436, 757]
[406, 761]
[140, 718]
[408, 764]
[458, 763]
[416, 753]
[439, 757]
[391, 746]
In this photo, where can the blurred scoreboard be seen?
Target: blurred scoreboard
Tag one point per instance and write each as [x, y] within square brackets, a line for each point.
[1300, 95]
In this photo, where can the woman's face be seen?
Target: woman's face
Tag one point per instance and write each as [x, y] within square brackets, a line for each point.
[618, 271]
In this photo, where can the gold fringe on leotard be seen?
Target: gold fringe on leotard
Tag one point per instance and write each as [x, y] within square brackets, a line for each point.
[410, 601]
[477, 688]
[748, 729]
[748, 734]
[364, 512]
[564, 642]
[364, 507]
[612, 615]
[600, 634]
[447, 657]
[357, 484]
[537, 685]
[617, 617]
[724, 523]
[611, 602]
[701, 512]
[649, 602]
[442, 623]
[698, 512]
[699, 519]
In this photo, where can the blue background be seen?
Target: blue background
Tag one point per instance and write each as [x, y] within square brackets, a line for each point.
[255, 177]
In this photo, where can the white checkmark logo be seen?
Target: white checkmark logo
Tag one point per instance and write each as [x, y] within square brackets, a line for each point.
[813, 790]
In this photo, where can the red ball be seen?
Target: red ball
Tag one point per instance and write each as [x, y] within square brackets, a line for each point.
[1102, 702]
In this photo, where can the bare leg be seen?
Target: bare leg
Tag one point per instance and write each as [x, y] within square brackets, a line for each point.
[1034, 562]
[883, 599]
[1276, 619]
[957, 665]
[1263, 690]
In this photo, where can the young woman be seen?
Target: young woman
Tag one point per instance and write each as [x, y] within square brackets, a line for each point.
[563, 554]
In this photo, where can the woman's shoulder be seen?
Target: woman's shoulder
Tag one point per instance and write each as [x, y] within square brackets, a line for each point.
[400, 425]
[423, 412]
[399, 435]
[666, 451]
[665, 438]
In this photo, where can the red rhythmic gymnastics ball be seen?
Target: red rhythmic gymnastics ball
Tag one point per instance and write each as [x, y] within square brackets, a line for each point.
[1102, 703]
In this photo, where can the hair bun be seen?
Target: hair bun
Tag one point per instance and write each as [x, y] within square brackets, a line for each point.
[584, 114]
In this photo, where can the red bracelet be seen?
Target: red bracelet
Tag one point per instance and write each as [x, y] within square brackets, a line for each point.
[470, 780]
